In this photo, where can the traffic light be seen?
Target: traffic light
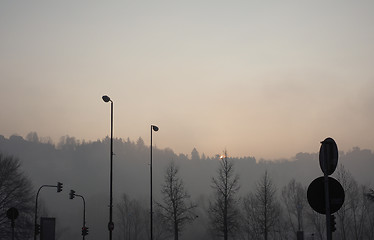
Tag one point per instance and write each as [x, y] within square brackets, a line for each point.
[72, 194]
[59, 186]
[84, 231]
[37, 229]
[332, 223]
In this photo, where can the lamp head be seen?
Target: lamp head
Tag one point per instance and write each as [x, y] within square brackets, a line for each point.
[106, 98]
[155, 128]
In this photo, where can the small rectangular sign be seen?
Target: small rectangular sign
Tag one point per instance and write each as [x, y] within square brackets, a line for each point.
[47, 228]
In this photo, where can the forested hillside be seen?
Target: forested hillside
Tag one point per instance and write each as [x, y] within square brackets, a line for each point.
[84, 167]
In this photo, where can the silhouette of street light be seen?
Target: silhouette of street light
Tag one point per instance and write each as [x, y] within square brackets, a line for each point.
[153, 128]
[110, 224]
[106, 98]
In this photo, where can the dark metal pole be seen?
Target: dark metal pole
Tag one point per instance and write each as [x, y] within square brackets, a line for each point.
[151, 200]
[36, 208]
[36, 212]
[84, 212]
[153, 128]
[12, 225]
[111, 225]
[327, 204]
[327, 198]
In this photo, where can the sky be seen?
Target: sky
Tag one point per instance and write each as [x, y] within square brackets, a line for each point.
[266, 79]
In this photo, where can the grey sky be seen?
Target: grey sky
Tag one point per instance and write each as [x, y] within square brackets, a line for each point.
[261, 79]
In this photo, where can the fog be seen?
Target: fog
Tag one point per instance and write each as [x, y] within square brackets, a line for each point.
[84, 167]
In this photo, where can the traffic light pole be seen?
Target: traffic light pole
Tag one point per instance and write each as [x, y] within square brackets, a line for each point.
[84, 214]
[59, 189]
[84, 228]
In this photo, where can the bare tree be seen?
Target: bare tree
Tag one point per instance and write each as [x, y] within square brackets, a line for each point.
[176, 209]
[262, 209]
[294, 199]
[357, 210]
[351, 216]
[343, 215]
[370, 195]
[223, 211]
[317, 221]
[369, 206]
[158, 225]
[15, 191]
[131, 219]
[251, 226]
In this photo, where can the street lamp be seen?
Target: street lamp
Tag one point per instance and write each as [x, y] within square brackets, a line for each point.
[153, 128]
[110, 224]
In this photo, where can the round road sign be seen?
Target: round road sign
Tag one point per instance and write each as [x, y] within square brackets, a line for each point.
[316, 195]
[12, 213]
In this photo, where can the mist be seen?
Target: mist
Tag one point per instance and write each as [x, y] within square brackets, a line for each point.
[84, 167]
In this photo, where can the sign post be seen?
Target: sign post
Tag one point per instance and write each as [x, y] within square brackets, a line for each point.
[328, 160]
[12, 214]
[331, 189]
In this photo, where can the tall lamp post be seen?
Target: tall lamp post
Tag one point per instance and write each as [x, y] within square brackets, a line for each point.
[110, 224]
[153, 128]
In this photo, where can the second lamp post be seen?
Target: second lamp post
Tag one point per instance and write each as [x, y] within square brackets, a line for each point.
[153, 128]
[110, 224]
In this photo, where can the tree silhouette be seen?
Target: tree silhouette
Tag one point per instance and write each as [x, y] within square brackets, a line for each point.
[131, 218]
[223, 211]
[262, 208]
[176, 209]
[195, 155]
[370, 195]
[294, 199]
[15, 191]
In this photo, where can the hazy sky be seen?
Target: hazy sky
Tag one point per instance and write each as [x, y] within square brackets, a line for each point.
[260, 78]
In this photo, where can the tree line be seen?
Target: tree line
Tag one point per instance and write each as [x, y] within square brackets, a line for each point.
[237, 198]
[265, 213]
